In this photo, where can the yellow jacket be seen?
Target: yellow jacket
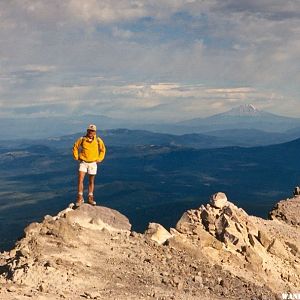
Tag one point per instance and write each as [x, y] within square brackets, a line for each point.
[89, 151]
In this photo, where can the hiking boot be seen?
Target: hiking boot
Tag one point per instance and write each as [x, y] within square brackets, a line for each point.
[79, 200]
[91, 200]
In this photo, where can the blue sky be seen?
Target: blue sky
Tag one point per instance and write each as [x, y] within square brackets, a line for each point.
[148, 60]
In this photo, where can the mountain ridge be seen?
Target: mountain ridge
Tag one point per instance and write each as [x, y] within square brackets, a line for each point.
[245, 116]
[211, 139]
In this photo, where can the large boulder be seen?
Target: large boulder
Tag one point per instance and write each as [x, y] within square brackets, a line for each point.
[218, 200]
[157, 233]
[264, 239]
[287, 211]
[253, 258]
[98, 217]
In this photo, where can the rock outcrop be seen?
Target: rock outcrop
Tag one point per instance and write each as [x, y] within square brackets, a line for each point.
[216, 251]
[98, 217]
[257, 249]
[157, 233]
[287, 210]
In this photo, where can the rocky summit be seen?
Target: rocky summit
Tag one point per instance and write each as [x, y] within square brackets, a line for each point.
[216, 251]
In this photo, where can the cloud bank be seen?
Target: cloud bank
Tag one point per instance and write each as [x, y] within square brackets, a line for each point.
[145, 59]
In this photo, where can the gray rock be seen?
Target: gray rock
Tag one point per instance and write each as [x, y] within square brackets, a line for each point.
[60, 228]
[32, 229]
[253, 259]
[264, 239]
[297, 191]
[184, 225]
[98, 217]
[295, 247]
[287, 211]
[157, 233]
[221, 223]
[206, 239]
[218, 200]
[277, 248]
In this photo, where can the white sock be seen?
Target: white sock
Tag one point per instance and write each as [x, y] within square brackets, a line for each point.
[90, 194]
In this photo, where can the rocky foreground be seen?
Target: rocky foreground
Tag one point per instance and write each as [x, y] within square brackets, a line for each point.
[216, 251]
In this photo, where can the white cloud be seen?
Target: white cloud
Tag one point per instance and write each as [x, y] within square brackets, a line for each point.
[238, 90]
[142, 100]
[39, 68]
[61, 13]
[155, 59]
[121, 33]
[106, 10]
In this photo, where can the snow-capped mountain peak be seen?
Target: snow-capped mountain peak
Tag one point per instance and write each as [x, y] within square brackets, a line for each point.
[244, 110]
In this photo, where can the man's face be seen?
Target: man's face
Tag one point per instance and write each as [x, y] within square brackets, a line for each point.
[91, 133]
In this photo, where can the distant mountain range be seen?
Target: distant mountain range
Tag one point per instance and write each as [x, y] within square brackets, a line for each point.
[243, 117]
[131, 138]
[36, 128]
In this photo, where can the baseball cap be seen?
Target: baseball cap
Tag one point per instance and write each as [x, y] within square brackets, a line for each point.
[92, 127]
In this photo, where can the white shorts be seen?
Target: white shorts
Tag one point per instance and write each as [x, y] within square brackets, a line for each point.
[90, 168]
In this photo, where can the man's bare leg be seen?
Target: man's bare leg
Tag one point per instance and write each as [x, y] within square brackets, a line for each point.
[80, 187]
[91, 189]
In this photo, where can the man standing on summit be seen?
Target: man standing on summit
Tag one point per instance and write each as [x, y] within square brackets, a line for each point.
[89, 150]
